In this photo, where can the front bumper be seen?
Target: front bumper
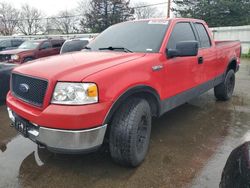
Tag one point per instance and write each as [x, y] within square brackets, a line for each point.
[64, 141]
[61, 116]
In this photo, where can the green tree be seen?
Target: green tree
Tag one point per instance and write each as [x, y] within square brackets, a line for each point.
[103, 13]
[215, 12]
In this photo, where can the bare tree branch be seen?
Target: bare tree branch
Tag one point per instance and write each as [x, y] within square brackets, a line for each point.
[8, 19]
[30, 20]
[83, 7]
[145, 11]
[66, 22]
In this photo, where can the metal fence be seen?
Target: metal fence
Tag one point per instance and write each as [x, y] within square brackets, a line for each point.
[66, 36]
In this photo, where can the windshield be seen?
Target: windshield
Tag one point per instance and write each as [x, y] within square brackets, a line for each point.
[31, 45]
[74, 45]
[141, 36]
[5, 43]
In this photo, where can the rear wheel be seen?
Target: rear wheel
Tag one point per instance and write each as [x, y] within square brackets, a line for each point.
[224, 91]
[130, 132]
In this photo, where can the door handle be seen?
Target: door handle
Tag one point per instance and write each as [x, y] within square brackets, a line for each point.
[200, 60]
[157, 68]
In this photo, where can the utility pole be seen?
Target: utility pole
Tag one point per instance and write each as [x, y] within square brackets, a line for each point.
[169, 8]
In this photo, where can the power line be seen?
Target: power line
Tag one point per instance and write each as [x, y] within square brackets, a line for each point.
[46, 18]
[150, 5]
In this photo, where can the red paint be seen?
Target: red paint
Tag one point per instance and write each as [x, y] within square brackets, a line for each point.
[115, 73]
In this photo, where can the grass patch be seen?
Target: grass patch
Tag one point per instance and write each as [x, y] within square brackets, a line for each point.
[246, 55]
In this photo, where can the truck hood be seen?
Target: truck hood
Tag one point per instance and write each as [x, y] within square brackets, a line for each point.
[13, 52]
[75, 66]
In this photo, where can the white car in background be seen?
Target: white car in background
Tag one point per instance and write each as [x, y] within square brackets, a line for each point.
[74, 45]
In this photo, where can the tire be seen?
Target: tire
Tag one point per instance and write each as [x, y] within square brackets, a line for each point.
[224, 91]
[130, 132]
[27, 59]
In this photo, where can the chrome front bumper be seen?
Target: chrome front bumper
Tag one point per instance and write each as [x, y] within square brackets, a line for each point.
[65, 141]
[69, 141]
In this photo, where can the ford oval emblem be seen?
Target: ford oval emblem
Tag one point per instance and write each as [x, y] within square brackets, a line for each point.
[24, 88]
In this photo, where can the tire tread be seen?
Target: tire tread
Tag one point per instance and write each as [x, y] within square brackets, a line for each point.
[121, 138]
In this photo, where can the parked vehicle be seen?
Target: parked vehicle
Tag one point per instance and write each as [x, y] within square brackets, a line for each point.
[74, 45]
[236, 172]
[8, 44]
[30, 50]
[5, 71]
[131, 72]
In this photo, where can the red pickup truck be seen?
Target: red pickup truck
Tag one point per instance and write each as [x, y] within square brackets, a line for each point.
[131, 72]
[30, 50]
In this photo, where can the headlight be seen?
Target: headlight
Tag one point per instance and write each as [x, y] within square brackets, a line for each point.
[15, 57]
[75, 93]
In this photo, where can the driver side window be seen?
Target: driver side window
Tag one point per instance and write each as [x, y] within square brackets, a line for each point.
[45, 45]
[181, 32]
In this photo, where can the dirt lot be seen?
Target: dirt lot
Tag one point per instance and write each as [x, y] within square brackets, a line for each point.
[189, 148]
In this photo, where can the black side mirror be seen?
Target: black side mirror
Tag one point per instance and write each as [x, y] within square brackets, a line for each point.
[184, 49]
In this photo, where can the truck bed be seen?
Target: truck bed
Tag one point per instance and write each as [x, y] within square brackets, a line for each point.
[228, 48]
[226, 42]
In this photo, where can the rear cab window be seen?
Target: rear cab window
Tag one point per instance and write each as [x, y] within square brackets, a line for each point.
[45, 45]
[204, 38]
[182, 32]
[57, 43]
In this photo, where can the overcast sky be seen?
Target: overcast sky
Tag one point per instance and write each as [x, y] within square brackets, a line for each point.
[52, 7]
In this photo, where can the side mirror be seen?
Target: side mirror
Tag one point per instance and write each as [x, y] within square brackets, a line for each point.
[184, 49]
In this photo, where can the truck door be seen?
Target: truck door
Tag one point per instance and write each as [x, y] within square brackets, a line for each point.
[207, 54]
[181, 73]
[44, 49]
[56, 46]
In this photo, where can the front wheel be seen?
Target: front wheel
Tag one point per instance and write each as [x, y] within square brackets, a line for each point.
[224, 91]
[130, 132]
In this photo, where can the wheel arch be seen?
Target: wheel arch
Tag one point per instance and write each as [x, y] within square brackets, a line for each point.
[232, 65]
[142, 91]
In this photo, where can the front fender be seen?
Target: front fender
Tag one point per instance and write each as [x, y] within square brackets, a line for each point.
[143, 91]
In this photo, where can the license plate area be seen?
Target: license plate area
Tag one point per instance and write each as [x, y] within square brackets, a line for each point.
[21, 126]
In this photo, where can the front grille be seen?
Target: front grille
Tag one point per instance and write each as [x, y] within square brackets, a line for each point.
[5, 57]
[29, 89]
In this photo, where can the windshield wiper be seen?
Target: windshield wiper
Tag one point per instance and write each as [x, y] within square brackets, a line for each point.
[116, 48]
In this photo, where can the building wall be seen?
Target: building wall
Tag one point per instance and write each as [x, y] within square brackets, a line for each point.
[241, 33]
